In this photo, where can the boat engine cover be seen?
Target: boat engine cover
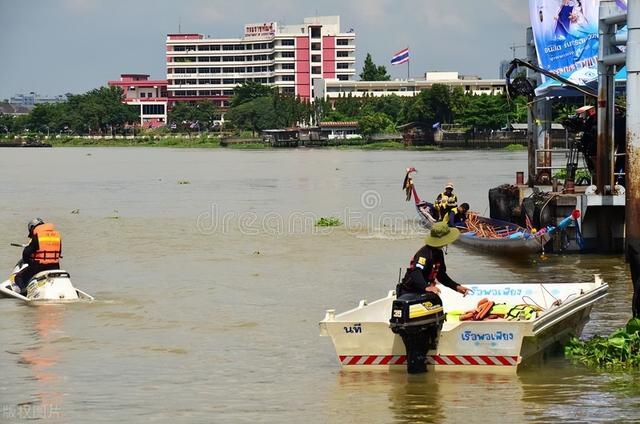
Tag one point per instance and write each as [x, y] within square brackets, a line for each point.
[417, 318]
[412, 310]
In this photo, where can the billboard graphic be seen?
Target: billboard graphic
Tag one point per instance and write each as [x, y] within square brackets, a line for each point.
[566, 37]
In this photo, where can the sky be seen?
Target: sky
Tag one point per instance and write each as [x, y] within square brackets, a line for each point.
[59, 46]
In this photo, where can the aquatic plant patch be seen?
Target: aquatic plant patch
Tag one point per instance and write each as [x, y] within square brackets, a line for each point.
[330, 221]
[619, 351]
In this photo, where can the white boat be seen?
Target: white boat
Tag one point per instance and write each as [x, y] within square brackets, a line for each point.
[51, 286]
[363, 340]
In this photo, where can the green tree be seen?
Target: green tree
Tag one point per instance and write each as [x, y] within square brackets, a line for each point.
[193, 116]
[250, 91]
[372, 72]
[485, 112]
[375, 123]
[347, 107]
[255, 115]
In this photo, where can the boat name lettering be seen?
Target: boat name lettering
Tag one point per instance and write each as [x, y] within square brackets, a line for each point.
[354, 329]
[493, 336]
[503, 291]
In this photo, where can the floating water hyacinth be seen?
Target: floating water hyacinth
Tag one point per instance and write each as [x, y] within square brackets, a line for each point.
[619, 351]
[330, 221]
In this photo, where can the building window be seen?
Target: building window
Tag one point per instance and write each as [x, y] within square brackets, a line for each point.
[143, 94]
[342, 53]
[289, 66]
[288, 90]
[316, 70]
[153, 109]
[287, 42]
[288, 78]
[288, 54]
[184, 48]
[316, 46]
[342, 65]
[342, 42]
[316, 58]
[315, 32]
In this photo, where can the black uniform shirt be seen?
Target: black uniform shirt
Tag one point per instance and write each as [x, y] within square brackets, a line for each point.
[427, 266]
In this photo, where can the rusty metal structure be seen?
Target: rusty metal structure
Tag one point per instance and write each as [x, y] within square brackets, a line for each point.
[610, 208]
[632, 216]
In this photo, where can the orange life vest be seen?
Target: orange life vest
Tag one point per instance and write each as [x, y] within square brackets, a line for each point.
[49, 245]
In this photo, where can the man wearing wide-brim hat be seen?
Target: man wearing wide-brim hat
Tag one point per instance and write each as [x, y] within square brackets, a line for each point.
[427, 266]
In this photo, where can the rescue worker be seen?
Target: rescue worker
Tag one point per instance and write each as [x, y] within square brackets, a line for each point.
[43, 252]
[427, 266]
[457, 216]
[446, 201]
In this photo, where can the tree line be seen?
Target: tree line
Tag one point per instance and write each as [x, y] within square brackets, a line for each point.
[255, 107]
[99, 111]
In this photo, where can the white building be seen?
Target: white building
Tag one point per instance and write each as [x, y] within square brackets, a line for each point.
[332, 88]
[291, 57]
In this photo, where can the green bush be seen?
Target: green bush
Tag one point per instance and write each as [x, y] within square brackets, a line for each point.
[515, 148]
[248, 146]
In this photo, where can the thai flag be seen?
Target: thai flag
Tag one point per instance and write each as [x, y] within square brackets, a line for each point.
[401, 57]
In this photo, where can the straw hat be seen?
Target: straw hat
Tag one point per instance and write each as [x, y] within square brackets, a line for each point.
[441, 235]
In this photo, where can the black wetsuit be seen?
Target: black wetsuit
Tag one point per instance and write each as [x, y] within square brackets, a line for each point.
[426, 267]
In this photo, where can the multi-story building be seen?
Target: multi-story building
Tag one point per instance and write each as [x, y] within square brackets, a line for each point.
[504, 67]
[331, 89]
[290, 57]
[149, 95]
[32, 99]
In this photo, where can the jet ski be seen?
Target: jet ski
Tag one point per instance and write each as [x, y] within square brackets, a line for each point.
[47, 286]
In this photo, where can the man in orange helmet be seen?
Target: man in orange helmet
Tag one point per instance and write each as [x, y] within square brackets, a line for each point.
[41, 254]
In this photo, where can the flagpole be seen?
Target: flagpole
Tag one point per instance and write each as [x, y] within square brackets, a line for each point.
[408, 60]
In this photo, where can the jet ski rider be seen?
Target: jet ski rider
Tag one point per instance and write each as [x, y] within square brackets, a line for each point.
[41, 254]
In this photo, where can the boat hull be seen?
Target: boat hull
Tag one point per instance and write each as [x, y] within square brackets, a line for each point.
[363, 340]
[515, 246]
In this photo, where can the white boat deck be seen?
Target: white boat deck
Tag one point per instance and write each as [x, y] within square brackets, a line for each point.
[363, 339]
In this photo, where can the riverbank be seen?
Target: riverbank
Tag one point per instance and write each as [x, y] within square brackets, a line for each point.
[250, 144]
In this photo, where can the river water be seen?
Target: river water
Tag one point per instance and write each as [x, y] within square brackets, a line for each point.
[210, 279]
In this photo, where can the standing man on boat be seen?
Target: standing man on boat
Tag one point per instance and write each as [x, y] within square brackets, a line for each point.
[446, 201]
[427, 266]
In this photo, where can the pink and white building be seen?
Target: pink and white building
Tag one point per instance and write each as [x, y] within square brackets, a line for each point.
[149, 95]
[290, 57]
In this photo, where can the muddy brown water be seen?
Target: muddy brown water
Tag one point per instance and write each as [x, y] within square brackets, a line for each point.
[210, 278]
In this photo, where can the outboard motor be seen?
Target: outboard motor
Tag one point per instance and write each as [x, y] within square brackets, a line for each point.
[417, 318]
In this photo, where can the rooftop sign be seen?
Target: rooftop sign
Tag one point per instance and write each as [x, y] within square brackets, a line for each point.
[267, 29]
